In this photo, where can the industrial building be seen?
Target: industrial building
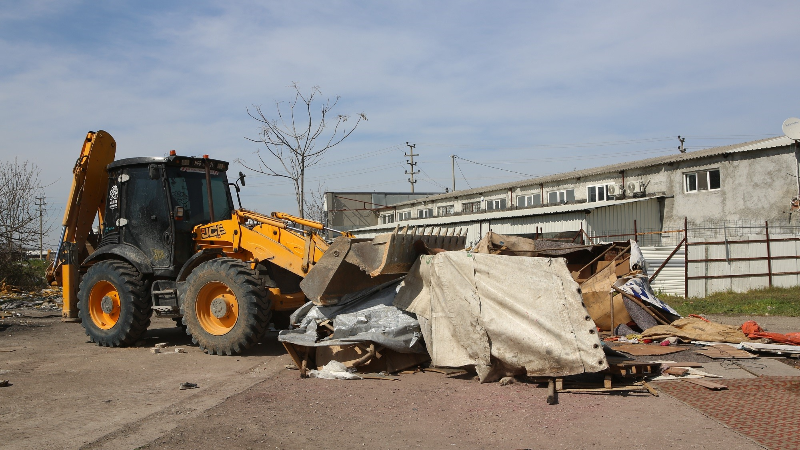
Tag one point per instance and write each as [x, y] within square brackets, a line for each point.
[745, 196]
[754, 180]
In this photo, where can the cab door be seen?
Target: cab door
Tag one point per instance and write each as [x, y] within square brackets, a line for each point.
[146, 220]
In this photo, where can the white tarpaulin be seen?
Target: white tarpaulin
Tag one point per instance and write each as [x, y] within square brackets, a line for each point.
[504, 315]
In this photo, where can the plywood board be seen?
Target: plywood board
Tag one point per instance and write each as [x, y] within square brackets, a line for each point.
[595, 292]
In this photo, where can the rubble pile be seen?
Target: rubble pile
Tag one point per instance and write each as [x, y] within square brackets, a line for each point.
[12, 298]
[541, 311]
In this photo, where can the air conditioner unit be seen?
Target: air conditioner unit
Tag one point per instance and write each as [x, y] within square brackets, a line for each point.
[632, 187]
[612, 189]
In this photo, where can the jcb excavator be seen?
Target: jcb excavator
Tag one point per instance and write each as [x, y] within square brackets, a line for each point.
[171, 241]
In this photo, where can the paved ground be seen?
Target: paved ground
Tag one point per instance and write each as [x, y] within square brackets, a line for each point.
[67, 393]
[763, 408]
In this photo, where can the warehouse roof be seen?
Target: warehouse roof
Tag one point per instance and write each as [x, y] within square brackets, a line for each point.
[761, 144]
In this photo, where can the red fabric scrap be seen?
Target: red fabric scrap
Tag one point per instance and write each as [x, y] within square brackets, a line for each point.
[752, 330]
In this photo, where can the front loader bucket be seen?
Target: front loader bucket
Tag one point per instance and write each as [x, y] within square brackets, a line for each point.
[350, 265]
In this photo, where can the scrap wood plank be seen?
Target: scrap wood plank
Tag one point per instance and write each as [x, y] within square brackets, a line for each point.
[681, 364]
[648, 349]
[772, 348]
[444, 370]
[604, 390]
[632, 368]
[650, 389]
[706, 384]
[725, 352]
[377, 376]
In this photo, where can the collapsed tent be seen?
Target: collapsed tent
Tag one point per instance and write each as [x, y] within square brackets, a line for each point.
[502, 315]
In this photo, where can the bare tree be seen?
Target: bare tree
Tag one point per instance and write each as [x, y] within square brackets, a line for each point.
[315, 204]
[19, 218]
[297, 139]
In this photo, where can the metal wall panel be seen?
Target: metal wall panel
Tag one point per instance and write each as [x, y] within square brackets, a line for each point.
[671, 278]
[742, 248]
[618, 219]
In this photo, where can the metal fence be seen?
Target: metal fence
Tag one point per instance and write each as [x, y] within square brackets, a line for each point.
[729, 255]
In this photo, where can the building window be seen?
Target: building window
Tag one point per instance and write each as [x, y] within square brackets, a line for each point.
[444, 210]
[704, 180]
[524, 201]
[405, 215]
[471, 207]
[598, 193]
[424, 213]
[495, 204]
[387, 218]
[560, 197]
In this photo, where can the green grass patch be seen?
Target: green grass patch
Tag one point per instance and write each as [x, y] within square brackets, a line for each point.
[761, 302]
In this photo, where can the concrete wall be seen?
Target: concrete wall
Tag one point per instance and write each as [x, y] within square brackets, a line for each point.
[754, 185]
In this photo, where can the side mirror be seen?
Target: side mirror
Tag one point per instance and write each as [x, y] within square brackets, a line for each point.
[241, 177]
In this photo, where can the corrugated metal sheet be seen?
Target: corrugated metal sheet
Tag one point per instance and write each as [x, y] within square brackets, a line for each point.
[742, 248]
[671, 278]
[620, 218]
[496, 216]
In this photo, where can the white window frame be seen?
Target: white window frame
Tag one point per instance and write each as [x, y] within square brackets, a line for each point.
[697, 175]
[527, 200]
[598, 188]
[387, 218]
[709, 179]
[404, 215]
[472, 208]
[561, 196]
[424, 213]
[495, 204]
[445, 210]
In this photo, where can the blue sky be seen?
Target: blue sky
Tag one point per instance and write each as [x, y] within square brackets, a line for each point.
[533, 87]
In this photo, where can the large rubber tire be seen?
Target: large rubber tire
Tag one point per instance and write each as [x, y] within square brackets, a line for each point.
[114, 304]
[225, 308]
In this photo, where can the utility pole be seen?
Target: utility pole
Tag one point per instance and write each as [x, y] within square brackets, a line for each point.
[40, 205]
[453, 170]
[412, 164]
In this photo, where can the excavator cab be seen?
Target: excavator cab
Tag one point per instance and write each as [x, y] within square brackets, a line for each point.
[153, 206]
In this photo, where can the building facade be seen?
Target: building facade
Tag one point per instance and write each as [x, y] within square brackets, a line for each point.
[755, 181]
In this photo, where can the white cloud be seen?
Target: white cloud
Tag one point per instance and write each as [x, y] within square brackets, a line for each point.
[489, 81]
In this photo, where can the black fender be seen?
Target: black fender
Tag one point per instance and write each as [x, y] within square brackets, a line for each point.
[123, 252]
[197, 259]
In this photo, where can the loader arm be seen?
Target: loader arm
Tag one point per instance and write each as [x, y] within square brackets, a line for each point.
[86, 201]
[251, 236]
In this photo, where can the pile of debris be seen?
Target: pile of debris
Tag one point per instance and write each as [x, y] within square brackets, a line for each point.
[544, 311]
[12, 298]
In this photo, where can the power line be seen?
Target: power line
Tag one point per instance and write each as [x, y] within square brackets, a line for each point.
[496, 168]
[462, 173]
[432, 180]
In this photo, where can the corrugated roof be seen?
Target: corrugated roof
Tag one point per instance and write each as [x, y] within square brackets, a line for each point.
[761, 144]
[539, 211]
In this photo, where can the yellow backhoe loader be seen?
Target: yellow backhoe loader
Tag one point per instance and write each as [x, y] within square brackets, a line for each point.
[170, 241]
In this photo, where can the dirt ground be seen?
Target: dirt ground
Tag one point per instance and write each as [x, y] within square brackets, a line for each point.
[68, 393]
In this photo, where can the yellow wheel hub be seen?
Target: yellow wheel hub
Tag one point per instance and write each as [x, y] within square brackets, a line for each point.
[216, 308]
[104, 305]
